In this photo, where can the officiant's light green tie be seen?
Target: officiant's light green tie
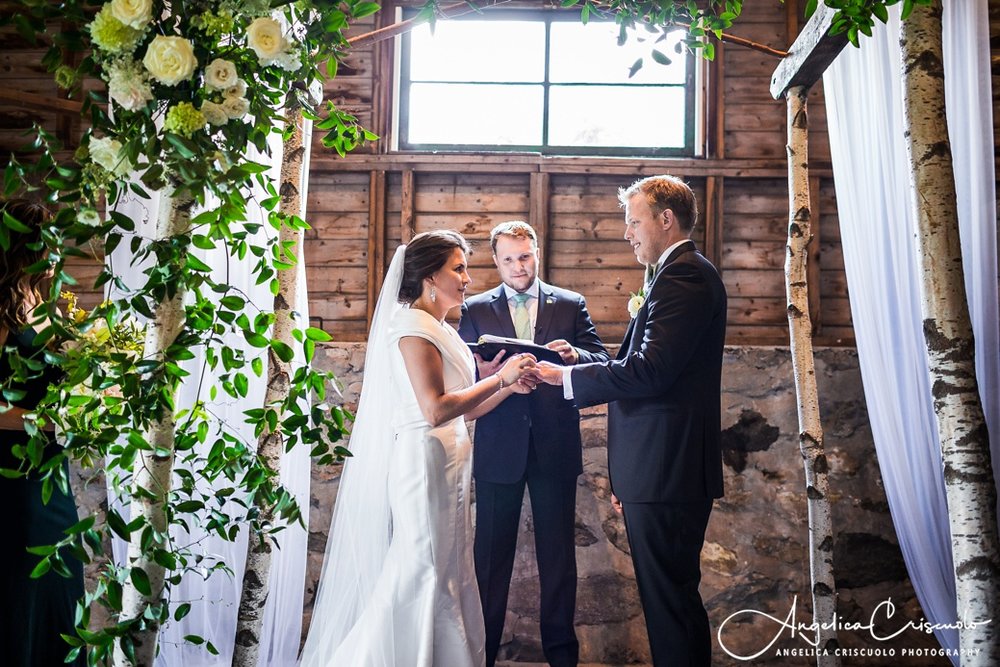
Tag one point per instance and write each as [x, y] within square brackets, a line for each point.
[522, 318]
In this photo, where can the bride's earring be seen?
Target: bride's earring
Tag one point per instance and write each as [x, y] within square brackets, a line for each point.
[434, 294]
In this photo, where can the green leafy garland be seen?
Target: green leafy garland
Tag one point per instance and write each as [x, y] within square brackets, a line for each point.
[192, 88]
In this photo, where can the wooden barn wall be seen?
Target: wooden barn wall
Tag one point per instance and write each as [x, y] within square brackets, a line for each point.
[741, 188]
[361, 207]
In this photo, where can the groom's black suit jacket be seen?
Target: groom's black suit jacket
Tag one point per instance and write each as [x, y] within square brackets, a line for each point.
[553, 422]
[664, 416]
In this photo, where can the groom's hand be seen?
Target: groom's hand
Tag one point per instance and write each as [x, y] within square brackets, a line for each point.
[616, 504]
[548, 373]
[568, 353]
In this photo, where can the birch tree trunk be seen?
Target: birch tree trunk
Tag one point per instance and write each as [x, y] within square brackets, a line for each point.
[270, 446]
[965, 446]
[151, 483]
[824, 592]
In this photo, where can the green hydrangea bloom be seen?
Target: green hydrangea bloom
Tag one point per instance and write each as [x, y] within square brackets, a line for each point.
[111, 35]
[183, 119]
[214, 25]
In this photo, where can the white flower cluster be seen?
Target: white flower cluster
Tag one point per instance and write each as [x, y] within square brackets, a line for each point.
[220, 75]
[128, 84]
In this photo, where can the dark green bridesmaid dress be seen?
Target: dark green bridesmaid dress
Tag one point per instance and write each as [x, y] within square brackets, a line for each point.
[33, 612]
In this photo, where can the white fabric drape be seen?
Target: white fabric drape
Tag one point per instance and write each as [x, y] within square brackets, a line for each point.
[215, 600]
[864, 108]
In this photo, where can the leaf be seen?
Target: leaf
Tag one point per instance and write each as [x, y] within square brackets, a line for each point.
[881, 12]
[365, 9]
[283, 350]
[318, 335]
[636, 66]
[660, 58]
[182, 610]
[43, 566]
[141, 581]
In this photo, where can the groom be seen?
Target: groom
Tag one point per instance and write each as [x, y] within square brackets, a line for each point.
[529, 440]
[664, 420]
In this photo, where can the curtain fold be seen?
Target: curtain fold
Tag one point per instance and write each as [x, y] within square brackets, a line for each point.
[215, 598]
[864, 109]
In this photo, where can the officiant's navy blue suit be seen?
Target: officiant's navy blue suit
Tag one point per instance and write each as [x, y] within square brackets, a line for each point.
[664, 452]
[530, 440]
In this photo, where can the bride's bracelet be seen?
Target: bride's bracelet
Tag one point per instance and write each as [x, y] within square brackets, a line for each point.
[500, 388]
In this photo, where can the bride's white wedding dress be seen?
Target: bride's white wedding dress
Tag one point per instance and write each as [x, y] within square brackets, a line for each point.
[423, 609]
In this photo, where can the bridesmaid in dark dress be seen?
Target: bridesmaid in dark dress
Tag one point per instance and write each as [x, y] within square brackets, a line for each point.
[33, 612]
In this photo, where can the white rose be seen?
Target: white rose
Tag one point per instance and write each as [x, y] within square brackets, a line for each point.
[170, 59]
[135, 13]
[264, 36]
[131, 94]
[220, 74]
[214, 113]
[236, 107]
[635, 303]
[107, 153]
[89, 217]
[238, 89]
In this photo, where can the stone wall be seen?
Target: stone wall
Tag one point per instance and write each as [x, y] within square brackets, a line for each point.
[756, 552]
[755, 556]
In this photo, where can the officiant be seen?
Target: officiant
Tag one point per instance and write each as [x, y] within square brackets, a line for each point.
[529, 441]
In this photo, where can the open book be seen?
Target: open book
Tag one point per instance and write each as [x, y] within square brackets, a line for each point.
[489, 346]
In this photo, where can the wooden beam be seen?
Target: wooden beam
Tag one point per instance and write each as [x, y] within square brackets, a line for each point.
[376, 239]
[538, 217]
[810, 55]
[494, 163]
[36, 102]
[407, 214]
[714, 191]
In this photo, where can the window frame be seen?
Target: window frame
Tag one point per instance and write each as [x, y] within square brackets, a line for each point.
[691, 88]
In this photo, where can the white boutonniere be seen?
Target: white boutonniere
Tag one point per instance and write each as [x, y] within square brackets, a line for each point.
[635, 301]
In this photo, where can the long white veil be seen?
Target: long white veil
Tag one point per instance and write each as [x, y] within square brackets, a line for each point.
[362, 525]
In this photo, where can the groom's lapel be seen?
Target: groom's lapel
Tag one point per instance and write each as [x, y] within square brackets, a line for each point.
[546, 310]
[499, 305]
[627, 341]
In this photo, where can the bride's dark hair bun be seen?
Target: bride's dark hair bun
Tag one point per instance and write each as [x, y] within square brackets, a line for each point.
[425, 254]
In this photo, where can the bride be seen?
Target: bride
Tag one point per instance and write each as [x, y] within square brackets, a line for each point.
[398, 587]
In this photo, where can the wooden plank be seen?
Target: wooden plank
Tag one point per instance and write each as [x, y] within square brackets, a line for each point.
[376, 240]
[327, 253]
[333, 306]
[586, 227]
[620, 282]
[406, 214]
[754, 255]
[811, 53]
[717, 104]
[352, 281]
[754, 282]
[337, 226]
[538, 217]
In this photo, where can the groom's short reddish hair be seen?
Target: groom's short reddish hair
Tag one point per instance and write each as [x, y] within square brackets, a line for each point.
[663, 192]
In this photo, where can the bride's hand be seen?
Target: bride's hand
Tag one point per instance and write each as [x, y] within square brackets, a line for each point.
[516, 367]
